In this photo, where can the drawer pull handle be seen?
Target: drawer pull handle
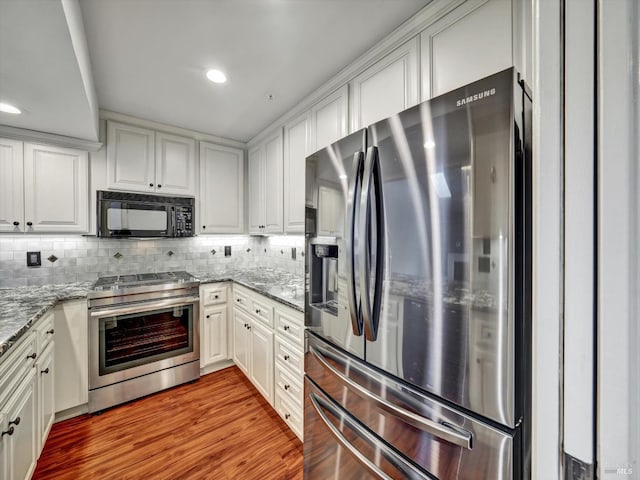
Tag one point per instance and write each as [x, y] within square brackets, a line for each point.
[8, 432]
[14, 422]
[32, 356]
[215, 296]
[286, 416]
[286, 387]
[286, 328]
[286, 357]
[45, 371]
[207, 316]
[50, 332]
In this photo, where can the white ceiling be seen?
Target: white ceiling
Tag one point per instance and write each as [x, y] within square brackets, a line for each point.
[148, 58]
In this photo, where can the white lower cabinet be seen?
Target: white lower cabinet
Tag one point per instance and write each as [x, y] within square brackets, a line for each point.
[262, 359]
[45, 371]
[213, 325]
[241, 340]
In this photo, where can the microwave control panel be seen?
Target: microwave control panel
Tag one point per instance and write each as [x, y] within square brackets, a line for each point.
[184, 221]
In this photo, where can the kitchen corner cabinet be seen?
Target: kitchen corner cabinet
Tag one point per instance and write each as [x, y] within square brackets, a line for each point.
[142, 160]
[387, 87]
[221, 189]
[253, 339]
[296, 148]
[329, 119]
[265, 186]
[43, 189]
[214, 318]
[446, 59]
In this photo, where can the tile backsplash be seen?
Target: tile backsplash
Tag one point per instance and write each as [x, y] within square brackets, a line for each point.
[87, 258]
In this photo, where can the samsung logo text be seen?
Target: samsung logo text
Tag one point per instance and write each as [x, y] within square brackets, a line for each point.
[475, 96]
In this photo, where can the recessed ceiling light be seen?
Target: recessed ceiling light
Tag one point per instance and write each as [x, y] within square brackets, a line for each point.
[8, 108]
[216, 76]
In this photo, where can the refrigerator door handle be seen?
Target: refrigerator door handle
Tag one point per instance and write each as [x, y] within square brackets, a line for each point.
[370, 206]
[455, 435]
[355, 186]
[400, 463]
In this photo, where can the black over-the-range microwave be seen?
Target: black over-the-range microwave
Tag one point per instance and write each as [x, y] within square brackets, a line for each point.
[131, 215]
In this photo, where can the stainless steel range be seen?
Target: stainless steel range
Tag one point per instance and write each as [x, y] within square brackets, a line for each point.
[143, 335]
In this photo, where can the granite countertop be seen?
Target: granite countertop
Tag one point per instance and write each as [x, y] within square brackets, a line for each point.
[21, 307]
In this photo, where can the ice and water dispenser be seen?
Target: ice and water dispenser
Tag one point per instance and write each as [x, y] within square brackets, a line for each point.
[324, 278]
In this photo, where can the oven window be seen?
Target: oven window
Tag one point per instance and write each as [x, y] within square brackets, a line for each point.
[128, 341]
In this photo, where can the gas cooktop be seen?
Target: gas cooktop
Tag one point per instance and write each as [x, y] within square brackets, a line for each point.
[120, 282]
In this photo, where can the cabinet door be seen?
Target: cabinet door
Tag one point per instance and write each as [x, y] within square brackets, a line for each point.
[20, 447]
[387, 87]
[214, 335]
[329, 119]
[130, 158]
[46, 395]
[221, 189]
[256, 190]
[296, 141]
[273, 221]
[447, 60]
[262, 360]
[175, 164]
[56, 187]
[72, 355]
[241, 340]
[11, 185]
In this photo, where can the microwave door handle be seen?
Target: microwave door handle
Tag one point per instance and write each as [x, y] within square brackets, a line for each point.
[355, 185]
[371, 181]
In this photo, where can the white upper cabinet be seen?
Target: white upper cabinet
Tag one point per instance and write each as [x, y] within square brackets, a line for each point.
[296, 148]
[142, 160]
[11, 186]
[221, 189]
[329, 120]
[175, 164]
[43, 189]
[469, 43]
[387, 87]
[265, 186]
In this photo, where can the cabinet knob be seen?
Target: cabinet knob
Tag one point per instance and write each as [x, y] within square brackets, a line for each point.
[286, 327]
[204, 227]
[151, 184]
[159, 186]
[286, 387]
[245, 325]
[238, 300]
[207, 316]
[15, 224]
[286, 416]
[215, 296]
[45, 371]
[50, 332]
[257, 310]
[14, 422]
[8, 432]
[286, 357]
[29, 224]
[32, 357]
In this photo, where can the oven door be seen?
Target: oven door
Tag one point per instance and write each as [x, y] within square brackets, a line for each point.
[133, 340]
[122, 218]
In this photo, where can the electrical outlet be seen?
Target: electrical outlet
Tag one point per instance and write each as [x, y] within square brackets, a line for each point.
[227, 250]
[33, 259]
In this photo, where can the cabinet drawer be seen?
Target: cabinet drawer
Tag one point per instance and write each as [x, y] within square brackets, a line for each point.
[290, 327]
[213, 295]
[242, 300]
[45, 331]
[290, 357]
[289, 386]
[20, 359]
[263, 312]
[291, 414]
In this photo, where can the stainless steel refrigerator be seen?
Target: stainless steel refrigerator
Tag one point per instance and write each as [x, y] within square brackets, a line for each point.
[418, 292]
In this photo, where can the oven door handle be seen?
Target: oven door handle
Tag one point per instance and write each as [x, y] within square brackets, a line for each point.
[142, 306]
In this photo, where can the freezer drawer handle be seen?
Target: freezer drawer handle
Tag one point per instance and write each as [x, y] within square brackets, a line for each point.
[456, 436]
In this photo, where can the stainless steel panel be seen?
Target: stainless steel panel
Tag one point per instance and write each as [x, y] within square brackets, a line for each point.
[117, 393]
[449, 310]
[329, 176]
[443, 442]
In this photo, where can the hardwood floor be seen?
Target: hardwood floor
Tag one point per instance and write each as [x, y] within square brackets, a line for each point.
[217, 428]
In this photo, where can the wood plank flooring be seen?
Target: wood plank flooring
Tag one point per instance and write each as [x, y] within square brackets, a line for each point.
[217, 428]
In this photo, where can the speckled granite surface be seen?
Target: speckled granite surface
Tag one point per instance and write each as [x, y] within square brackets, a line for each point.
[21, 307]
